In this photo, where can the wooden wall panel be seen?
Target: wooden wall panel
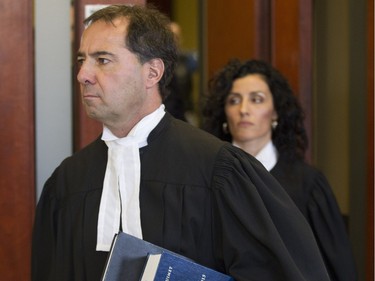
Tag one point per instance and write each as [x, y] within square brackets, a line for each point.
[370, 142]
[285, 37]
[291, 45]
[86, 129]
[17, 175]
[239, 30]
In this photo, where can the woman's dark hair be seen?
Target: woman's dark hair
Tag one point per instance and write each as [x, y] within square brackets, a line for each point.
[148, 36]
[289, 136]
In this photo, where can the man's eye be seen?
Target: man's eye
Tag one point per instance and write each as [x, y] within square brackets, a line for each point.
[103, 61]
[80, 61]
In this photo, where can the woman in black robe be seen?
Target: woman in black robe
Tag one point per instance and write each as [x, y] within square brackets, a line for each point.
[251, 105]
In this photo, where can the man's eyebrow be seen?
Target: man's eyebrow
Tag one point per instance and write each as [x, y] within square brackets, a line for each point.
[96, 54]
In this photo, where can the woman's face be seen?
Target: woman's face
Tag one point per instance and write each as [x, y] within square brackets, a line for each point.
[249, 110]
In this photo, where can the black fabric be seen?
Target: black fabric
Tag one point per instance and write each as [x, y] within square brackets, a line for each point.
[199, 197]
[311, 192]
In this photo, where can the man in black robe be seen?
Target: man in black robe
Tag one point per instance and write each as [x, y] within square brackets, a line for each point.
[159, 178]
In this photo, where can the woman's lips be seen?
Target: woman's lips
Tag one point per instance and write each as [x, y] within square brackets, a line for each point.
[244, 124]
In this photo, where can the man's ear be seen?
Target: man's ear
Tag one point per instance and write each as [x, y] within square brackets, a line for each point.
[155, 71]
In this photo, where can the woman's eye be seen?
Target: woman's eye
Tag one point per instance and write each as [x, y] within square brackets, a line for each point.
[233, 100]
[257, 98]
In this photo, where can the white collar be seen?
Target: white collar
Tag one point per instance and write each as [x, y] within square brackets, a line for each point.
[142, 128]
[120, 195]
[268, 156]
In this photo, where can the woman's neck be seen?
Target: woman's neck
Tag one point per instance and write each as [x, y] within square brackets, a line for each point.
[253, 147]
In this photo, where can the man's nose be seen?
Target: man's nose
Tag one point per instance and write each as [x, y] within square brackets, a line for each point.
[85, 74]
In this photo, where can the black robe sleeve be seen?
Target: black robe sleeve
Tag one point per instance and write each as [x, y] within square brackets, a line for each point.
[43, 262]
[265, 236]
[64, 231]
[329, 229]
[312, 193]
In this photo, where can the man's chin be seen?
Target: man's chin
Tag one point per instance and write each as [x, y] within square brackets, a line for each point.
[92, 114]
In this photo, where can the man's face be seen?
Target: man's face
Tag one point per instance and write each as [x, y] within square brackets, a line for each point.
[112, 80]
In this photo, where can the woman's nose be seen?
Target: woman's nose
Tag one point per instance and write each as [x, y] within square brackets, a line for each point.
[244, 108]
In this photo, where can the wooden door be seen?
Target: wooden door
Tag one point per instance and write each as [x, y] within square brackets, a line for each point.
[370, 142]
[239, 30]
[17, 175]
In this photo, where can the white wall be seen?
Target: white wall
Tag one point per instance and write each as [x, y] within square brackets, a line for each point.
[53, 92]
